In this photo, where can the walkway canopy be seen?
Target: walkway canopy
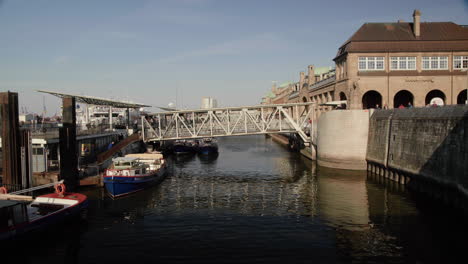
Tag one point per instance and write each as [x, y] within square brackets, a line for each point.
[96, 101]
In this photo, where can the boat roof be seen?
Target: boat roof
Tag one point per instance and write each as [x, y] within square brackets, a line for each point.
[8, 203]
[124, 159]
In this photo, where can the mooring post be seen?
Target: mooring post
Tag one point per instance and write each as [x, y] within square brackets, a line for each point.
[10, 139]
[313, 151]
[68, 145]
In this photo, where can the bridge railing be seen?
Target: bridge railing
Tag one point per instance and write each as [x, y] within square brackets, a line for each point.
[230, 121]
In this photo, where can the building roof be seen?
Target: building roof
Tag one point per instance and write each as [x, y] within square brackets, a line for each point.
[270, 94]
[322, 70]
[285, 84]
[395, 37]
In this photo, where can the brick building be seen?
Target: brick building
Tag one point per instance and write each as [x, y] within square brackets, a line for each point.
[390, 64]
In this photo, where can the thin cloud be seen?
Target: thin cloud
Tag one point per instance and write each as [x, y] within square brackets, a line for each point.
[262, 42]
[61, 60]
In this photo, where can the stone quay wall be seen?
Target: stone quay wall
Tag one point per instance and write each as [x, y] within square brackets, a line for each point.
[426, 148]
[342, 139]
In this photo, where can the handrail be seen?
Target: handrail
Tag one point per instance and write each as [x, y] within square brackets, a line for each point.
[36, 188]
[109, 153]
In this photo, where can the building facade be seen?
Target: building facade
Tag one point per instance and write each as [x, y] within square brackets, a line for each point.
[403, 64]
[390, 65]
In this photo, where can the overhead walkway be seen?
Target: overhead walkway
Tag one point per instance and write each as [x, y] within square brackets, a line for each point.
[230, 121]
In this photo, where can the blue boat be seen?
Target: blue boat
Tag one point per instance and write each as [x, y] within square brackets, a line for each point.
[185, 147]
[133, 173]
[208, 146]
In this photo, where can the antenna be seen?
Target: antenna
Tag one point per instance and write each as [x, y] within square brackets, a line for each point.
[44, 111]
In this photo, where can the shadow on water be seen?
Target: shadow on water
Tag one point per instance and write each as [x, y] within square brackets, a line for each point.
[208, 158]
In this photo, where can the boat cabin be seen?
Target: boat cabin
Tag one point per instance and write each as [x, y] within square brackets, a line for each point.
[12, 213]
[127, 166]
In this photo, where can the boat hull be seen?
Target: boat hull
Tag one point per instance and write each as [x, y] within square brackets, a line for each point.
[43, 223]
[207, 150]
[118, 186]
[183, 149]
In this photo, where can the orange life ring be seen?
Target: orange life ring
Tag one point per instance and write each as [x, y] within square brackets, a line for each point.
[3, 190]
[60, 188]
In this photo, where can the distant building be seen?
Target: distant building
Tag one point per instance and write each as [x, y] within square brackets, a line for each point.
[26, 118]
[208, 102]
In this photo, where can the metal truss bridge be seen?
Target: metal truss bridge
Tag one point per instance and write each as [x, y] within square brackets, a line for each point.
[231, 121]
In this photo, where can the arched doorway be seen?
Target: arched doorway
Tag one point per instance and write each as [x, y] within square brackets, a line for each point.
[461, 98]
[371, 99]
[435, 96]
[403, 98]
[342, 96]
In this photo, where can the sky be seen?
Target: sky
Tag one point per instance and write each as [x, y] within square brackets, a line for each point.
[158, 52]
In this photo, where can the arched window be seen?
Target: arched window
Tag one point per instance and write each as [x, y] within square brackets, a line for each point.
[371, 99]
[403, 98]
[461, 98]
[435, 96]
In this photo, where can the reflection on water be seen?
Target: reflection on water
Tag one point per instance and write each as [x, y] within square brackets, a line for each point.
[257, 202]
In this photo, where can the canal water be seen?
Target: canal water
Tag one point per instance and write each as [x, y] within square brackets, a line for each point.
[256, 202]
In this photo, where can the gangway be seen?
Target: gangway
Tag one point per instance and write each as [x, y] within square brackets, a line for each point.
[230, 121]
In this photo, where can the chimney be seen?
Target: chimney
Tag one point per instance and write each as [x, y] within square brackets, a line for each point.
[301, 79]
[273, 87]
[311, 74]
[417, 23]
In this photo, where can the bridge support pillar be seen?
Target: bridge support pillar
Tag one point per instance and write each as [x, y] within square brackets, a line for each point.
[68, 145]
[10, 137]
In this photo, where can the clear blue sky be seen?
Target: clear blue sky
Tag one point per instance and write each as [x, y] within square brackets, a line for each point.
[155, 52]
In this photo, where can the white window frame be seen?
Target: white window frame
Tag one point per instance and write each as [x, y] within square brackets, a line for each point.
[434, 59]
[400, 60]
[461, 59]
[371, 59]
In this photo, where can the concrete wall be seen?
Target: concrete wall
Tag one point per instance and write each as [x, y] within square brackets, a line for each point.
[342, 139]
[427, 144]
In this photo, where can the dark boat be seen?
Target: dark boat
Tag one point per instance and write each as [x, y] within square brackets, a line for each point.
[19, 217]
[185, 147]
[208, 146]
[133, 173]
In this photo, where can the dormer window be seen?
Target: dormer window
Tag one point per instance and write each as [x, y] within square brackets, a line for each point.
[403, 63]
[460, 62]
[371, 63]
[435, 63]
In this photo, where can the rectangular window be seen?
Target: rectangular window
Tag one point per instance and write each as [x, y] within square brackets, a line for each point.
[435, 63]
[371, 63]
[460, 62]
[403, 63]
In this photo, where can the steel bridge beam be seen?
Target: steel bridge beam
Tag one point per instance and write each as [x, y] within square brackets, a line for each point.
[230, 121]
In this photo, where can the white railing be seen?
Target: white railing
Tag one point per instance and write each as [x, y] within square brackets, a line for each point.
[231, 121]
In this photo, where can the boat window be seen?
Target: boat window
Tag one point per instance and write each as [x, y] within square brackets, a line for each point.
[19, 214]
[4, 217]
[137, 172]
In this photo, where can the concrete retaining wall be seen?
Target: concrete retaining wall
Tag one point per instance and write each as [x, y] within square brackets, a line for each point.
[342, 139]
[427, 145]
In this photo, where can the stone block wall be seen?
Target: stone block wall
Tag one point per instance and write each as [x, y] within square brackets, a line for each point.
[425, 144]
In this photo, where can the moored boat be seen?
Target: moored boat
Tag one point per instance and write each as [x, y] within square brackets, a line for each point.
[133, 173]
[185, 147]
[21, 216]
[208, 146]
